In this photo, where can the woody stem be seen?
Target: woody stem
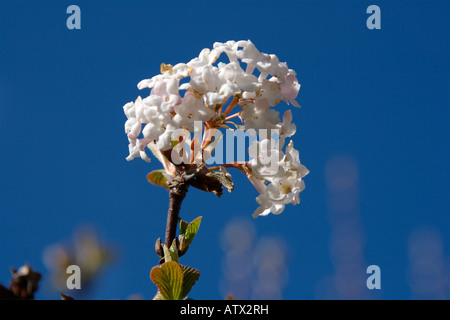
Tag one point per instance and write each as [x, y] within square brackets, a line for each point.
[176, 196]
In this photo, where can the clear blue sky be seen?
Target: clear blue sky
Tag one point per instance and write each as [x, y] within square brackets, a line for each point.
[378, 97]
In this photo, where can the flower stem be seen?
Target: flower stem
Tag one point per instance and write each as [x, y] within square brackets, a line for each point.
[233, 104]
[236, 165]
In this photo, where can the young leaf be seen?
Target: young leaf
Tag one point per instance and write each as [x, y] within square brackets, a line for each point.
[169, 279]
[157, 177]
[208, 184]
[224, 178]
[190, 276]
[192, 229]
[183, 226]
[171, 254]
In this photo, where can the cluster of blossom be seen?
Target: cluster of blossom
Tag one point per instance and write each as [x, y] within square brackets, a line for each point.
[199, 91]
[284, 180]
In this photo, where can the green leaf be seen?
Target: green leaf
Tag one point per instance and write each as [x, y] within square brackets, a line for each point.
[183, 226]
[157, 177]
[190, 276]
[168, 277]
[171, 254]
[224, 177]
[191, 230]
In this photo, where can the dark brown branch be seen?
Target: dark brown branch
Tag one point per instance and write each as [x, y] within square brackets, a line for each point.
[176, 196]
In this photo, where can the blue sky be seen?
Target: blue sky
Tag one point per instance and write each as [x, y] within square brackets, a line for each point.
[378, 98]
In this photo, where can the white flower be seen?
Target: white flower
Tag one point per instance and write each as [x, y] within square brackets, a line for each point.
[250, 55]
[284, 179]
[165, 140]
[290, 88]
[191, 109]
[179, 71]
[269, 90]
[258, 115]
[265, 158]
[133, 129]
[272, 66]
[233, 72]
[229, 48]
[287, 127]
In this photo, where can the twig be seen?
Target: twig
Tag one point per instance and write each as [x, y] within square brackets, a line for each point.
[176, 196]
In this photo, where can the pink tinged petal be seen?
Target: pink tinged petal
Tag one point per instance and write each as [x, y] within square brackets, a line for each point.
[142, 143]
[290, 87]
[160, 89]
[258, 184]
[131, 137]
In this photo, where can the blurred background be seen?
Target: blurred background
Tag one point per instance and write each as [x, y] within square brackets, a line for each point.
[373, 130]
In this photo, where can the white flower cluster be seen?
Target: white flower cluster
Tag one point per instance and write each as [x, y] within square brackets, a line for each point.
[210, 86]
[197, 91]
[284, 179]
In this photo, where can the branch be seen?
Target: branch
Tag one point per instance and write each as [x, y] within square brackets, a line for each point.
[176, 196]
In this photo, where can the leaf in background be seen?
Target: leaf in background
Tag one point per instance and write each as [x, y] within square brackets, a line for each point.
[168, 277]
[190, 276]
[157, 177]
